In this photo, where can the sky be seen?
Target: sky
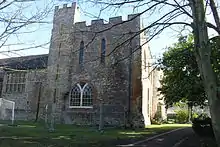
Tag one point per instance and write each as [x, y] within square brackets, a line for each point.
[37, 34]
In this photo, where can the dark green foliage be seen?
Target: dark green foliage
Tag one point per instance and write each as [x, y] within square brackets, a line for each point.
[215, 58]
[182, 80]
[195, 115]
[155, 122]
[182, 116]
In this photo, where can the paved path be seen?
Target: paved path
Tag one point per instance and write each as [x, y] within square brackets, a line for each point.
[175, 138]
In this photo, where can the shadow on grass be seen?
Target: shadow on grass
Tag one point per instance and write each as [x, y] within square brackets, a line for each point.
[31, 135]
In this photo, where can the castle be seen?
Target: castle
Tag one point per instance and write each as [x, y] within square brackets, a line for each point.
[102, 68]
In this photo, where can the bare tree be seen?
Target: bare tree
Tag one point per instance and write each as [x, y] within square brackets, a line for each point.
[187, 14]
[19, 18]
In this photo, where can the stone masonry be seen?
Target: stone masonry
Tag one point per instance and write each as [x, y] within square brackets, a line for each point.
[109, 81]
[124, 70]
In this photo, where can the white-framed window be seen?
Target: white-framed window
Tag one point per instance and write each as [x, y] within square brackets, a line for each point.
[15, 82]
[81, 96]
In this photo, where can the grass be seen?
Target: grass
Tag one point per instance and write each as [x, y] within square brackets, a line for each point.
[35, 135]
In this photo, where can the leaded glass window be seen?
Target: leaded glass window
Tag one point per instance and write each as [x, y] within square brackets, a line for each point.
[81, 96]
[15, 82]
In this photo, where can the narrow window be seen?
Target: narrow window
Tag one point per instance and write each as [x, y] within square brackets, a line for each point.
[75, 96]
[87, 96]
[103, 50]
[81, 53]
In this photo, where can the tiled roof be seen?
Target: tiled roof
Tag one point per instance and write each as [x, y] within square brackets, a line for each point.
[25, 62]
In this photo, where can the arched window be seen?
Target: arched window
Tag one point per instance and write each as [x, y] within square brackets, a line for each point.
[81, 96]
[103, 50]
[87, 96]
[81, 53]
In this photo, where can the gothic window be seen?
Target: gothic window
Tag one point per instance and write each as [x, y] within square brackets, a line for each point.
[103, 50]
[75, 96]
[81, 96]
[15, 82]
[81, 53]
[87, 96]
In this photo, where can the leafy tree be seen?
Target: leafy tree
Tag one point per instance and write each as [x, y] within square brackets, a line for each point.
[215, 44]
[182, 80]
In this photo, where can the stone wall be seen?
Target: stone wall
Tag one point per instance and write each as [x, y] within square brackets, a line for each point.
[126, 48]
[147, 81]
[158, 98]
[58, 75]
[26, 103]
[109, 80]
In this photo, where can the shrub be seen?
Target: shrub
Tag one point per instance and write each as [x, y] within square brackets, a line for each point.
[181, 116]
[195, 115]
[202, 126]
[155, 122]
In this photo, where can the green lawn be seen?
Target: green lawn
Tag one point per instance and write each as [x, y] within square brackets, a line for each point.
[34, 135]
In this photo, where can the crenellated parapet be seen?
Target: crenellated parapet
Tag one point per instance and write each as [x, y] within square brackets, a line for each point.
[64, 18]
[68, 16]
[132, 18]
[64, 8]
[115, 20]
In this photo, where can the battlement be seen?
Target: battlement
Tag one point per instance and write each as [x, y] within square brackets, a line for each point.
[111, 21]
[65, 7]
[97, 22]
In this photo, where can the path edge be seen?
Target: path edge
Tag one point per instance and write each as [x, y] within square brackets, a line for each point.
[150, 138]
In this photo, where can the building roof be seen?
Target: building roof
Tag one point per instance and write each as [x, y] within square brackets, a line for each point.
[25, 62]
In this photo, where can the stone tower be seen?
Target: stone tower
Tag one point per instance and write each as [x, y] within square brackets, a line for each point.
[104, 58]
[60, 54]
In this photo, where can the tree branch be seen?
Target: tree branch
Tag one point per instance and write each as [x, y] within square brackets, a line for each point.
[215, 15]
[213, 27]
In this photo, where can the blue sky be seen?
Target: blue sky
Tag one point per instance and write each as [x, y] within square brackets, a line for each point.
[40, 33]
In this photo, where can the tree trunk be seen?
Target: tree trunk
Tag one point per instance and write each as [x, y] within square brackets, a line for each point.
[203, 52]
